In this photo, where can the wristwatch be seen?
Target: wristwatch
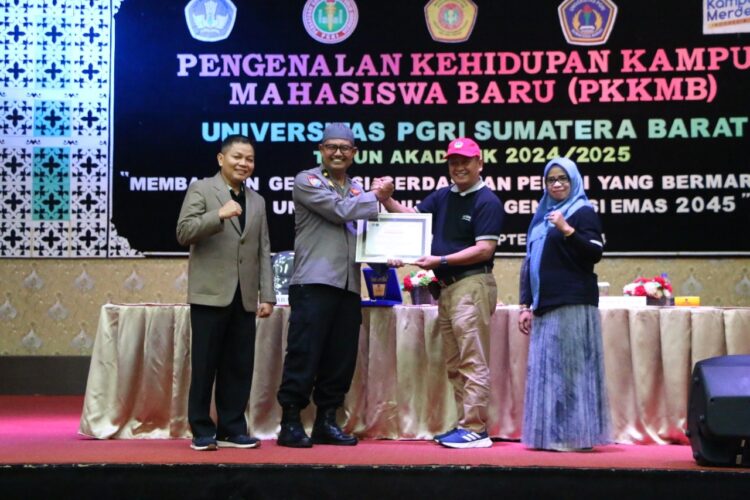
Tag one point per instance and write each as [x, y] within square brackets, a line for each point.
[443, 260]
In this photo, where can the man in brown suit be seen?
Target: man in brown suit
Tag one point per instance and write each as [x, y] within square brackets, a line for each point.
[229, 273]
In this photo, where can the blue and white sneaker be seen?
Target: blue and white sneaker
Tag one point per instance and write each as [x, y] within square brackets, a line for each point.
[205, 443]
[438, 437]
[463, 438]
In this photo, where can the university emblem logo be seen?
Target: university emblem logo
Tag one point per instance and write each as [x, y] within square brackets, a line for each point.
[450, 21]
[330, 21]
[587, 22]
[210, 20]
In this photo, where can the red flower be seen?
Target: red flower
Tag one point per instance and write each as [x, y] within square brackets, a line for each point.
[657, 287]
[418, 278]
[407, 283]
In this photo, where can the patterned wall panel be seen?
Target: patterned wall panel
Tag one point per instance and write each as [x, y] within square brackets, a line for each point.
[55, 90]
[51, 306]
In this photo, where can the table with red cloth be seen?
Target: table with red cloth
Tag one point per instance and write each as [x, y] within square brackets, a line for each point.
[140, 371]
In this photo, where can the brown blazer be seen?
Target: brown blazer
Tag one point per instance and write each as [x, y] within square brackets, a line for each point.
[219, 254]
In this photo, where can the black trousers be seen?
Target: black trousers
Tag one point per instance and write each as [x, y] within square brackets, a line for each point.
[222, 349]
[322, 345]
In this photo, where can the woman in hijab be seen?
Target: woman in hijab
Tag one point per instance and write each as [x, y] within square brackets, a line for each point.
[566, 405]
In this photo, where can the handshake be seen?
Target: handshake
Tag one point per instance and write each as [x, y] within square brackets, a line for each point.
[382, 187]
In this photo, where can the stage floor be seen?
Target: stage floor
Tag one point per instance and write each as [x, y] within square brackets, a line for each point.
[43, 456]
[43, 430]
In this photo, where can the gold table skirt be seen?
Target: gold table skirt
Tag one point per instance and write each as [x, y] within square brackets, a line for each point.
[140, 371]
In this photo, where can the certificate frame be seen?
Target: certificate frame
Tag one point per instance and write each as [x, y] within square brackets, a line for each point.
[402, 236]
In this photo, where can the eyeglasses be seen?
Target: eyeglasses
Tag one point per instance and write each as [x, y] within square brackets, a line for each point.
[562, 179]
[344, 148]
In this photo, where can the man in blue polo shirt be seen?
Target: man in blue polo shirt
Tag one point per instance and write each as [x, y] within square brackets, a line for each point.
[467, 219]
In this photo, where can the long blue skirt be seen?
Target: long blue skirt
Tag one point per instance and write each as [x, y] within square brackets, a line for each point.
[566, 403]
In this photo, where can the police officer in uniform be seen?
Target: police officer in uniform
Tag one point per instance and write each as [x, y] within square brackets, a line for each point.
[324, 292]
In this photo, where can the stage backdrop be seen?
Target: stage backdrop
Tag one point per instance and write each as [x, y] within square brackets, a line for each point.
[649, 98]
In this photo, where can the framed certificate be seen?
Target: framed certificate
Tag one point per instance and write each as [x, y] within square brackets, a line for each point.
[394, 236]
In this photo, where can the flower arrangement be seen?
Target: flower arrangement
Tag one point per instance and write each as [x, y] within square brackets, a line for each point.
[657, 287]
[417, 279]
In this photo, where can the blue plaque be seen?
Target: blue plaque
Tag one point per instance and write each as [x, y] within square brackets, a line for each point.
[382, 286]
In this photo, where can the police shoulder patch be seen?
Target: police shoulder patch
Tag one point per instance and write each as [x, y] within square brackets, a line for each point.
[314, 181]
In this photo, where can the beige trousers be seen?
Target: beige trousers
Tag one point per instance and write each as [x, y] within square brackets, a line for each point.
[464, 313]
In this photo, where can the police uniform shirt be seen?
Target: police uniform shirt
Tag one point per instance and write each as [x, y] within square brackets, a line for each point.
[325, 216]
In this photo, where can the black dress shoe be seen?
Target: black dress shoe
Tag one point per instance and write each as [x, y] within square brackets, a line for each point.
[327, 431]
[293, 435]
